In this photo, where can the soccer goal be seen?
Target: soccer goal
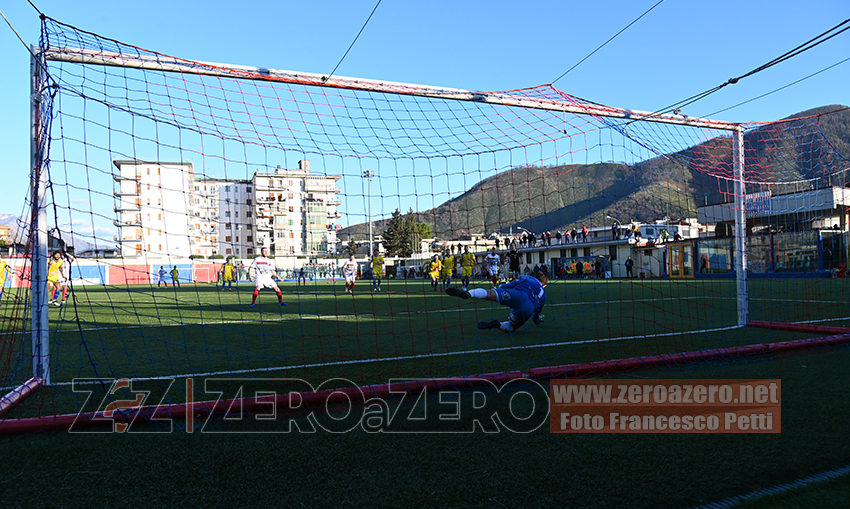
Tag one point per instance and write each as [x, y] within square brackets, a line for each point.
[191, 222]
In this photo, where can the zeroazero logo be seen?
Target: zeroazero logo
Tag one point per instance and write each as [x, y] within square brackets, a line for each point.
[291, 405]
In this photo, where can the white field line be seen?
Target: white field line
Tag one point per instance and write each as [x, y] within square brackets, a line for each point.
[766, 299]
[779, 488]
[310, 316]
[421, 356]
[292, 316]
[440, 354]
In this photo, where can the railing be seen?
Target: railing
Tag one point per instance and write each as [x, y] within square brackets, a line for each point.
[123, 224]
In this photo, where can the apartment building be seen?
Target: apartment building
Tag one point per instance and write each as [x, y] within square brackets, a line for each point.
[290, 211]
[296, 212]
[153, 208]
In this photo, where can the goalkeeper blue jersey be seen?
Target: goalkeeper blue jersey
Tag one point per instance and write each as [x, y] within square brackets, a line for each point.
[530, 288]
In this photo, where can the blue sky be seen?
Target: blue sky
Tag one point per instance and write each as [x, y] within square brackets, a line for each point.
[679, 49]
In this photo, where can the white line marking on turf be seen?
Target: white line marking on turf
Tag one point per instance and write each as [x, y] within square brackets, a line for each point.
[798, 301]
[424, 355]
[310, 316]
[779, 488]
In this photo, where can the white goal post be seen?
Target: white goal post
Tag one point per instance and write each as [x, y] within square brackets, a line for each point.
[40, 88]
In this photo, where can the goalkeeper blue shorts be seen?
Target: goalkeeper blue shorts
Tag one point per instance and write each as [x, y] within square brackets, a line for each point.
[520, 303]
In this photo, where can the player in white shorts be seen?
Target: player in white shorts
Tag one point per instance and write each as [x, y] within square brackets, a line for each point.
[349, 270]
[264, 276]
[492, 261]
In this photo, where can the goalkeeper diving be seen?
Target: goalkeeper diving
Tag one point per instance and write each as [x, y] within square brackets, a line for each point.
[525, 296]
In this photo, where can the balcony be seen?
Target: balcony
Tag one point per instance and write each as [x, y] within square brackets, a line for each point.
[126, 239]
[333, 214]
[122, 178]
[261, 226]
[320, 187]
[136, 223]
[120, 193]
[127, 207]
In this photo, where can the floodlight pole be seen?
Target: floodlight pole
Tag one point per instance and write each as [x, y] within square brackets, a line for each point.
[38, 223]
[368, 176]
[740, 226]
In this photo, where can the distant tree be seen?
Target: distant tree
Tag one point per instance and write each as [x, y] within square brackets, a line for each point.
[403, 234]
[416, 231]
[396, 236]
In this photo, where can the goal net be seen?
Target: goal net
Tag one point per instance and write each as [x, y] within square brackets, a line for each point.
[164, 180]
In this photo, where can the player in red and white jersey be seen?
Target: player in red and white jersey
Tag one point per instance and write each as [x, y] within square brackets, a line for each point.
[262, 272]
[492, 262]
[349, 271]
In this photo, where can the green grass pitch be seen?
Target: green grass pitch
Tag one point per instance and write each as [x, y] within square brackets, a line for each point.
[409, 331]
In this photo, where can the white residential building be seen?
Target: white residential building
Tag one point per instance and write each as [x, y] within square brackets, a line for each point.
[292, 212]
[295, 212]
[153, 205]
[225, 207]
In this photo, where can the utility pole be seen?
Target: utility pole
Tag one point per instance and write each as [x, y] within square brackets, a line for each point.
[368, 176]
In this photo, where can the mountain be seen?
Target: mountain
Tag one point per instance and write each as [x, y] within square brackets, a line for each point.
[10, 220]
[19, 230]
[809, 146]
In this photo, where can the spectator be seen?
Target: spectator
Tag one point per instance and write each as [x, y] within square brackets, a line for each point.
[584, 233]
[574, 235]
[629, 266]
[598, 268]
[615, 229]
[548, 238]
[558, 237]
[677, 237]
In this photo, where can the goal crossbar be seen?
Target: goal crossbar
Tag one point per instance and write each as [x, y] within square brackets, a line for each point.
[172, 64]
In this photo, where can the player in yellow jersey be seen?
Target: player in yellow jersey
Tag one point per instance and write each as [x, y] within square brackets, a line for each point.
[377, 272]
[467, 264]
[228, 271]
[447, 269]
[4, 273]
[55, 278]
[434, 271]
